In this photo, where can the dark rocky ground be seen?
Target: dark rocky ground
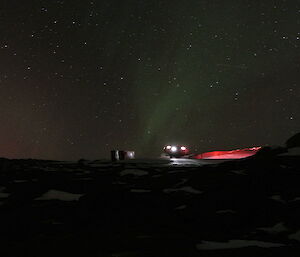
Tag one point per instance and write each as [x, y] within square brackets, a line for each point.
[247, 207]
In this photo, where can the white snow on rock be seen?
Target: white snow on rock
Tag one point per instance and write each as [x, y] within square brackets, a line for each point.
[277, 198]
[59, 195]
[225, 211]
[135, 172]
[231, 244]
[186, 162]
[277, 228]
[144, 163]
[182, 182]
[20, 180]
[140, 190]
[239, 172]
[295, 199]
[3, 195]
[187, 189]
[295, 236]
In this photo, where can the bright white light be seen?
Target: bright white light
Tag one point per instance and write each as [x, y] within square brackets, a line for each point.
[183, 148]
[173, 148]
[168, 147]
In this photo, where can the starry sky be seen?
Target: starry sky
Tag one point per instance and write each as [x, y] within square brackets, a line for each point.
[79, 78]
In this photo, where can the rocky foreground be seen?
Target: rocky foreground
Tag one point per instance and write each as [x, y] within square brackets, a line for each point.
[247, 207]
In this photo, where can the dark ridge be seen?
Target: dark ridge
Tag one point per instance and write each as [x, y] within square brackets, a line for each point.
[100, 208]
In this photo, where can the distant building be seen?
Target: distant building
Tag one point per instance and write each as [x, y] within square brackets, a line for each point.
[118, 155]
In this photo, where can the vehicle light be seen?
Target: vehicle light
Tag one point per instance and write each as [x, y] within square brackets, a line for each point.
[168, 147]
[173, 148]
[183, 148]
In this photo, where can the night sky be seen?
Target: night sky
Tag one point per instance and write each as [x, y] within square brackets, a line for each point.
[79, 78]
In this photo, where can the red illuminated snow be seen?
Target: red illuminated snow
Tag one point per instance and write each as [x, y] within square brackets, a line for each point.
[233, 154]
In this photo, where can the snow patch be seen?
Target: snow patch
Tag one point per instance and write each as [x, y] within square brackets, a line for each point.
[182, 182]
[59, 195]
[295, 199]
[80, 172]
[231, 244]
[295, 236]
[181, 207]
[277, 228]
[20, 180]
[239, 172]
[3, 195]
[187, 189]
[277, 198]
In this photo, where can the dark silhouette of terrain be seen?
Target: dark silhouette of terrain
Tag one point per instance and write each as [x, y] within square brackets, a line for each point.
[247, 207]
[294, 141]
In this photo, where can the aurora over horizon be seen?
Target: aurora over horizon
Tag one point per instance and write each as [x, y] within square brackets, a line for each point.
[81, 78]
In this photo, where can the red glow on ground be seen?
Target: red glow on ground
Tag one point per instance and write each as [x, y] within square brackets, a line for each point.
[233, 154]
